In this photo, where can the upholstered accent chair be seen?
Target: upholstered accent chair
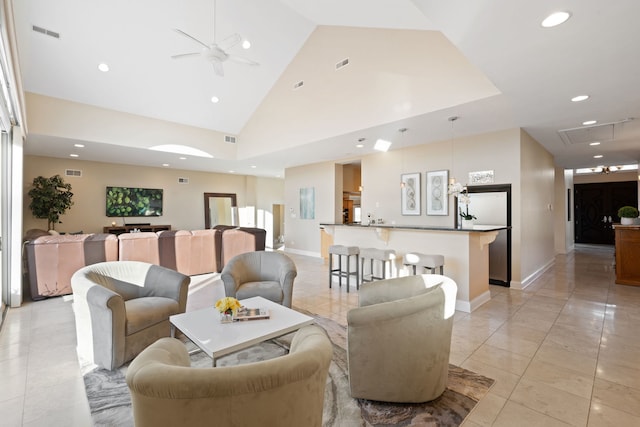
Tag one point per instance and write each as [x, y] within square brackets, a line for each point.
[287, 391]
[121, 307]
[399, 338]
[266, 274]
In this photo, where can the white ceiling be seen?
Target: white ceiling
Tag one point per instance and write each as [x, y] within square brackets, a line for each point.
[531, 73]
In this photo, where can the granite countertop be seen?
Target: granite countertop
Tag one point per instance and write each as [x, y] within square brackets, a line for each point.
[476, 228]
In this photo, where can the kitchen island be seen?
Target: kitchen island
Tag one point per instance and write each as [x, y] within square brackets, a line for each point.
[466, 251]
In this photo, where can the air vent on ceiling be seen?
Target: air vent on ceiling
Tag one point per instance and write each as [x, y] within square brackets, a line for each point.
[602, 133]
[298, 85]
[342, 63]
[45, 32]
[72, 172]
[229, 138]
[182, 180]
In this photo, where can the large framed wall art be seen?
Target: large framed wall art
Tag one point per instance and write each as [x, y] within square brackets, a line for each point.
[410, 194]
[437, 196]
[308, 203]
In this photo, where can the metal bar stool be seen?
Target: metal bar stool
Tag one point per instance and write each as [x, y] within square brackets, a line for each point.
[428, 261]
[348, 252]
[373, 254]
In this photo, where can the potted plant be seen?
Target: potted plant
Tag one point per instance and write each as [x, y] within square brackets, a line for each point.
[50, 198]
[462, 194]
[627, 214]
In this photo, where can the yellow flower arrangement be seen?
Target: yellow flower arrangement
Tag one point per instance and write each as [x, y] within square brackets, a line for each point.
[227, 305]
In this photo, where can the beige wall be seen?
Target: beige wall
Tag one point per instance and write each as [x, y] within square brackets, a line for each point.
[65, 119]
[536, 219]
[381, 172]
[351, 177]
[183, 206]
[563, 225]
[303, 235]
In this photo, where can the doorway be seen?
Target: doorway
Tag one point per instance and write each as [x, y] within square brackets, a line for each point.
[596, 209]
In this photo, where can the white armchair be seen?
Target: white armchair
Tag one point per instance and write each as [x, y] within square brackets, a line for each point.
[260, 273]
[287, 391]
[399, 338]
[121, 307]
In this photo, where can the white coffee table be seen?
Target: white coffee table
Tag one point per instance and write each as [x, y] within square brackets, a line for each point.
[216, 339]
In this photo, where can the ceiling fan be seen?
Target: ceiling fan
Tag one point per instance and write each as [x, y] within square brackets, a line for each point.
[215, 52]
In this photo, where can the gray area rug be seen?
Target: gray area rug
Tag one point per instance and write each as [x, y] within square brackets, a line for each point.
[110, 402]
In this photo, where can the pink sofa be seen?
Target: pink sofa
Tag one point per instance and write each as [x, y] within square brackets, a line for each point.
[188, 252]
[51, 260]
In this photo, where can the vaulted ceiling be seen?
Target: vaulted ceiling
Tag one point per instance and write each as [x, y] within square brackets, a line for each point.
[411, 64]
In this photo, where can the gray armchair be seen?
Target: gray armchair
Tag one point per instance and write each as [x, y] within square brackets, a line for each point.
[287, 391]
[266, 274]
[399, 338]
[121, 307]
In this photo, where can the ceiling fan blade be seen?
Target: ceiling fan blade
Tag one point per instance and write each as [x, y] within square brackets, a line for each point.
[241, 60]
[185, 55]
[217, 68]
[191, 37]
[230, 41]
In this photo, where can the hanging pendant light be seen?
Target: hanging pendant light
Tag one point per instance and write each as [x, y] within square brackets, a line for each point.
[402, 154]
[452, 179]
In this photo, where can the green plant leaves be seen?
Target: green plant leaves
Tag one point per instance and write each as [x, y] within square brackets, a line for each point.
[50, 198]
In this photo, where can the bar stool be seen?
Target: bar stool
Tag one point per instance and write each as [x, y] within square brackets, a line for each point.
[373, 254]
[428, 261]
[348, 252]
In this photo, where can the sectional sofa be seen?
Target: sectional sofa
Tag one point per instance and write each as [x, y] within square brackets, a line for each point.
[51, 260]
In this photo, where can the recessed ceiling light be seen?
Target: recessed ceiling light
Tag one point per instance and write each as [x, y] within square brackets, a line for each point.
[594, 143]
[73, 155]
[590, 122]
[103, 67]
[253, 166]
[182, 158]
[359, 145]
[166, 165]
[232, 171]
[580, 98]
[246, 44]
[215, 99]
[556, 18]
[79, 145]
[382, 145]
[597, 156]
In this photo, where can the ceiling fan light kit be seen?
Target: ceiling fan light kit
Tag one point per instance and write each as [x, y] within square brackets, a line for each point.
[216, 53]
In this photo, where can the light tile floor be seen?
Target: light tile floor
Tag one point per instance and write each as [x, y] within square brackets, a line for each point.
[563, 352]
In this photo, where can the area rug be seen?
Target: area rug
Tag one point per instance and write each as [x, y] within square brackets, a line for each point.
[110, 402]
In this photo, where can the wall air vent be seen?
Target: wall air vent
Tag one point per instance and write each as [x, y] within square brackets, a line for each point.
[342, 63]
[46, 32]
[72, 172]
[182, 180]
[298, 85]
[229, 138]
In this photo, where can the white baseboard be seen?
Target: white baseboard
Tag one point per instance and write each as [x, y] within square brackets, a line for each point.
[469, 306]
[299, 252]
[533, 276]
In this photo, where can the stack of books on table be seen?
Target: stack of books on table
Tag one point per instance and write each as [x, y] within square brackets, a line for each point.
[245, 313]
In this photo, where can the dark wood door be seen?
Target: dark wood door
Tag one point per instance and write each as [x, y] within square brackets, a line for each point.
[596, 209]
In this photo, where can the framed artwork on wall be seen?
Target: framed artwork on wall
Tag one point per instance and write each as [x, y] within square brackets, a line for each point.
[308, 203]
[410, 193]
[437, 196]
